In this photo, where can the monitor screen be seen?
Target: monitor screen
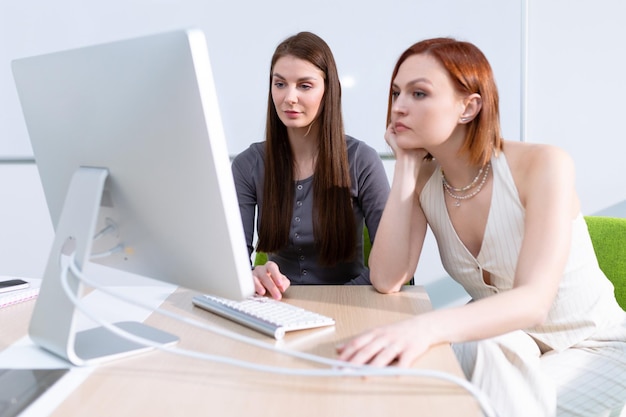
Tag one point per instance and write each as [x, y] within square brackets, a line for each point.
[143, 115]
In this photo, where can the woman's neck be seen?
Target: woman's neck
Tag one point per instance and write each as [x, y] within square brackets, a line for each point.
[305, 149]
[458, 172]
[458, 169]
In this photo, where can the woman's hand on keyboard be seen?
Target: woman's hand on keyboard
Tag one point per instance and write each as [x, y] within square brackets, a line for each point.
[269, 278]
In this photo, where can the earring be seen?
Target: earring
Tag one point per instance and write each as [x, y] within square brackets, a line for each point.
[464, 119]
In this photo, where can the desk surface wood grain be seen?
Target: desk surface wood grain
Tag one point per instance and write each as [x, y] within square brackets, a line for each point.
[163, 384]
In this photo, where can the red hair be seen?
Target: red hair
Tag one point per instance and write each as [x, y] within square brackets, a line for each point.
[471, 73]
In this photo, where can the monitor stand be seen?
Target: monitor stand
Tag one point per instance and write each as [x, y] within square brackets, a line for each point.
[52, 325]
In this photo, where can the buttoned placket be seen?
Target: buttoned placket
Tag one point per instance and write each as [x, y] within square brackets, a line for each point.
[296, 222]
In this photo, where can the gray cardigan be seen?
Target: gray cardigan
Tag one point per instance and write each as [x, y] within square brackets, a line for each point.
[298, 259]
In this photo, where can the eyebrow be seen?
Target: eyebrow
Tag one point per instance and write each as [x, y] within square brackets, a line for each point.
[415, 81]
[277, 75]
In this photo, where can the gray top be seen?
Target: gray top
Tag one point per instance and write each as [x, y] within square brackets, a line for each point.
[298, 260]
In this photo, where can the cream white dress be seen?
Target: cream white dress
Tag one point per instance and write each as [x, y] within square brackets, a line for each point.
[574, 364]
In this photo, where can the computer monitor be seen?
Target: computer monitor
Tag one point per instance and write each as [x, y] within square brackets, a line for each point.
[129, 143]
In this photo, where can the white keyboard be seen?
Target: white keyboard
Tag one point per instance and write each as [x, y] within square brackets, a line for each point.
[264, 314]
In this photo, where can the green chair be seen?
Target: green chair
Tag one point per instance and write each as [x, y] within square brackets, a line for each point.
[260, 258]
[367, 247]
[608, 235]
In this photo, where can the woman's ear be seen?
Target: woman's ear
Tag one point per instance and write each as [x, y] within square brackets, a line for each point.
[473, 103]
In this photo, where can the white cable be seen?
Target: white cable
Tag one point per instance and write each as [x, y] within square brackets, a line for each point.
[110, 228]
[106, 254]
[340, 368]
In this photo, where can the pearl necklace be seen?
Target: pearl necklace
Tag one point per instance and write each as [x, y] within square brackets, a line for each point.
[451, 190]
[467, 187]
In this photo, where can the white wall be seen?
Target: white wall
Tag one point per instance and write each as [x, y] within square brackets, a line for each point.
[25, 228]
[577, 90]
[366, 38]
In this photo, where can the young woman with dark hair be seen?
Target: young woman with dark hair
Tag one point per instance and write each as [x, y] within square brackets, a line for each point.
[313, 187]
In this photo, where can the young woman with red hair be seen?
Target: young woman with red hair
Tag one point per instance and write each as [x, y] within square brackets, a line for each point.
[543, 334]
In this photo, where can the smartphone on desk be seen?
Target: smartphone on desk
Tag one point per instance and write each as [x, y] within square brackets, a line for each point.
[13, 285]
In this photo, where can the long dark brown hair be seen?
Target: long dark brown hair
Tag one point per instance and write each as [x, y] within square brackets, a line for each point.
[471, 73]
[334, 225]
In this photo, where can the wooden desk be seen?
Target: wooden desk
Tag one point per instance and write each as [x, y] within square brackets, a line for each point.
[162, 384]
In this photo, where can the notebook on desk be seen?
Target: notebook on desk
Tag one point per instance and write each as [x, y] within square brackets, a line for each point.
[10, 298]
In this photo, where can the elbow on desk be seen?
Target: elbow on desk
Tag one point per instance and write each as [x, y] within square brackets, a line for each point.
[386, 287]
[386, 281]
